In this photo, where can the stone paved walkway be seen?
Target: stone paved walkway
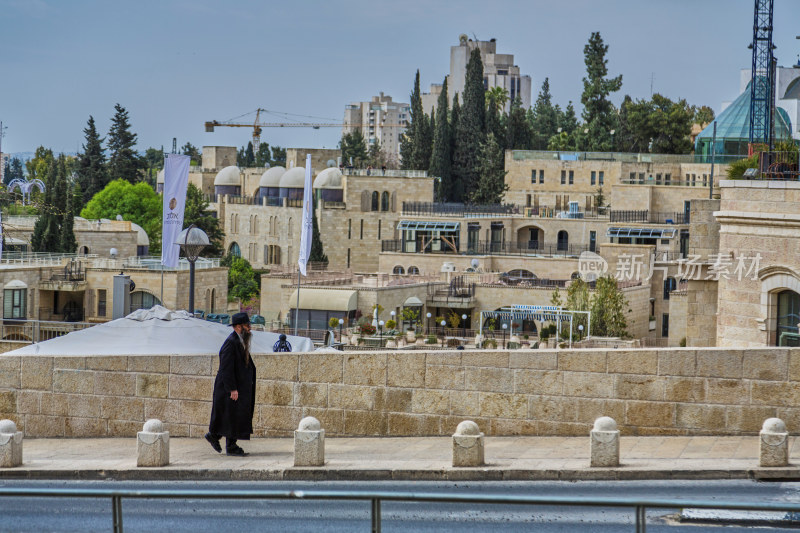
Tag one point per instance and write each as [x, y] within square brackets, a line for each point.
[423, 458]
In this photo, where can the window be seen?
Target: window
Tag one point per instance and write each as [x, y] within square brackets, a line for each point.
[533, 176]
[667, 178]
[665, 325]
[593, 176]
[641, 177]
[563, 177]
[705, 180]
[14, 303]
[788, 313]
[143, 300]
[374, 200]
[592, 241]
[235, 250]
[384, 201]
[633, 176]
[658, 179]
[563, 240]
[362, 229]
[601, 178]
[101, 302]
[541, 176]
[571, 176]
[669, 286]
[348, 258]
[272, 254]
[379, 230]
[398, 270]
[413, 271]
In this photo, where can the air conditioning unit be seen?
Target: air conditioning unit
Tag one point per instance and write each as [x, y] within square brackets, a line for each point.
[448, 267]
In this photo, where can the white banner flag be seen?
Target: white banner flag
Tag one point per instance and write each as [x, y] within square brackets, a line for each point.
[1, 235]
[307, 228]
[176, 179]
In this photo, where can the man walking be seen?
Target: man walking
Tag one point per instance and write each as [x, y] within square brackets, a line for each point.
[234, 390]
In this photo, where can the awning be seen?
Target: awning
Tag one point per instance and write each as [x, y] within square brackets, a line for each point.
[642, 233]
[325, 299]
[412, 301]
[421, 225]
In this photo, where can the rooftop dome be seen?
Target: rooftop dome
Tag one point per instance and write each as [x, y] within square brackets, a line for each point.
[330, 178]
[141, 235]
[272, 177]
[293, 178]
[228, 176]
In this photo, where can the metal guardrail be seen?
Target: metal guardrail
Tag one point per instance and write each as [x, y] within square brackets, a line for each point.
[638, 506]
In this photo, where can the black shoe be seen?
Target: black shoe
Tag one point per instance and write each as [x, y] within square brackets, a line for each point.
[236, 452]
[214, 442]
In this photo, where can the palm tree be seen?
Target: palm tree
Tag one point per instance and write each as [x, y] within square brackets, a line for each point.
[497, 96]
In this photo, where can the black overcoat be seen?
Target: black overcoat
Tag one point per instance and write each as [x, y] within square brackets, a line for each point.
[233, 419]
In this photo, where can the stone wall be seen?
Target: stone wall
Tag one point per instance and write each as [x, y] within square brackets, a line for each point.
[532, 392]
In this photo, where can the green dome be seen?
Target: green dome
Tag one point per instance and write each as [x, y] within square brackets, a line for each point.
[733, 128]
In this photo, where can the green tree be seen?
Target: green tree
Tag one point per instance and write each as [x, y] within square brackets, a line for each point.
[442, 145]
[545, 119]
[658, 125]
[599, 115]
[736, 169]
[137, 203]
[567, 120]
[13, 171]
[317, 254]
[578, 299]
[609, 307]
[192, 151]
[262, 155]
[418, 133]
[91, 172]
[123, 161]
[153, 162]
[353, 146]
[46, 229]
[67, 242]
[470, 130]
[560, 142]
[246, 157]
[197, 213]
[703, 115]
[518, 130]
[496, 99]
[456, 188]
[242, 282]
[491, 169]
[278, 156]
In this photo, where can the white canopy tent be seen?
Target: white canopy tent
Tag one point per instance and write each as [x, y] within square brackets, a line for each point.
[156, 331]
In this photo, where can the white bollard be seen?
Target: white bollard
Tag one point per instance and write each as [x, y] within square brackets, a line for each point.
[467, 445]
[152, 444]
[604, 442]
[10, 444]
[774, 443]
[309, 443]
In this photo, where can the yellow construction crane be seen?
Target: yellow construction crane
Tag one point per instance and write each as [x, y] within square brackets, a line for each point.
[257, 125]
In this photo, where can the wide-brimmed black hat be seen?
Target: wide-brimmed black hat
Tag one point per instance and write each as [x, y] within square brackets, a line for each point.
[240, 318]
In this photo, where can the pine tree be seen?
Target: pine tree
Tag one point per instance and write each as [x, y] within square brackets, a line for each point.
[599, 115]
[91, 173]
[353, 148]
[195, 155]
[470, 133]
[442, 145]
[491, 186]
[518, 131]
[249, 155]
[544, 118]
[123, 161]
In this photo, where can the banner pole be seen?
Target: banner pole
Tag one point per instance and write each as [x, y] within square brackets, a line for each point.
[297, 309]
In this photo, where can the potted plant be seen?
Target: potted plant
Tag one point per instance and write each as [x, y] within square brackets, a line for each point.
[410, 315]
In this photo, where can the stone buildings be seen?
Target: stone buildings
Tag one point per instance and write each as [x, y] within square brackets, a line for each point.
[380, 121]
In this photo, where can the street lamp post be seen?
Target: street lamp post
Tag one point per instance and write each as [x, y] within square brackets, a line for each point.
[393, 314]
[505, 327]
[192, 240]
[341, 321]
[580, 332]
[380, 334]
[444, 323]
[464, 328]
[428, 325]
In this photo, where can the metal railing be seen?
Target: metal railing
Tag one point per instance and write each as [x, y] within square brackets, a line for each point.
[458, 210]
[33, 331]
[648, 217]
[624, 157]
[639, 507]
[489, 248]
[385, 173]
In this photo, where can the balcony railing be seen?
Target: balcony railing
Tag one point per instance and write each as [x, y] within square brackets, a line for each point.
[490, 248]
[649, 217]
[458, 210]
[387, 173]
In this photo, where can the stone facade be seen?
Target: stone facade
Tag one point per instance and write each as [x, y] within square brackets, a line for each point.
[677, 391]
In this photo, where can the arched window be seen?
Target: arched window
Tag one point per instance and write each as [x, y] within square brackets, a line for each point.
[669, 285]
[235, 250]
[398, 270]
[213, 300]
[788, 313]
[374, 200]
[84, 250]
[255, 225]
[384, 201]
[413, 271]
[143, 300]
[563, 240]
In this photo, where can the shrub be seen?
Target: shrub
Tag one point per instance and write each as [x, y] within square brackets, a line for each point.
[391, 324]
[683, 342]
[452, 343]
[367, 329]
[490, 343]
[431, 339]
[333, 322]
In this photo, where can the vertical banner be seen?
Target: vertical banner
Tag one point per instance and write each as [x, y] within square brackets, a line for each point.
[1, 235]
[176, 179]
[307, 226]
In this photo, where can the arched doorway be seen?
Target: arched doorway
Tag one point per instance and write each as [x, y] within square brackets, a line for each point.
[563, 240]
[788, 313]
[235, 250]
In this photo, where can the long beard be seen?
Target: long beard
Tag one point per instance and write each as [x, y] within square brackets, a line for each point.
[246, 338]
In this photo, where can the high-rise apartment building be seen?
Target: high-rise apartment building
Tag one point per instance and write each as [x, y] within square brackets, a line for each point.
[380, 120]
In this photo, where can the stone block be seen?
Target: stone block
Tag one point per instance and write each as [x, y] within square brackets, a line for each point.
[278, 417]
[767, 365]
[74, 381]
[588, 385]
[152, 444]
[582, 360]
[191, 387]
[489, 379]
[680, 389]
[430, 401]
[728, 391]
[331, 419]
[538, 382]
[28, 402]
[405, 369]
[650, 414]
[365, 423]
[633, 362]
[604, 443]
[321, 368]
[44, 426]
[774, 393]
[465, 403]
[485, 358]
[794, 365]
[444, 377]
[351, 397]
[539, 360]
[365, 369]
[311, 394]
[37, 373]
[114, 384]
[774, 443]
[10, 445]
[119, 408]
[450, 358]
[495, 405]
[413, 424]
[705, 418]
[8, 401]
[273, 393]
[509, 427]
[743, 418]
[309, 443]
[85, 427]
[587, 410]
[677, 362]
[9, 371]
[468, 446]
[73, 363]
[277, 366]
[152, 385]
[192, 365]
[111, 363]
[156, 364]
[719, 363]
[632, 387]
[551, 408]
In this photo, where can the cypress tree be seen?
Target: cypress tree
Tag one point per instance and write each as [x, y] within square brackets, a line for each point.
[491, 186]
[67, 242]
[421, 134]
[495, 123]
[544, 118]
[317, 255]
[442, 148]
[123, 161]
[456, 188]
[598, 115]
[46, 229]
[470, 129]
[518, 131]
[91, 173]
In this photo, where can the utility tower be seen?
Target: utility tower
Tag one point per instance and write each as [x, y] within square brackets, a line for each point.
[762, 84]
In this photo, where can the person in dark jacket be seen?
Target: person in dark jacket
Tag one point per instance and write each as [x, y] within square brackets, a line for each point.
[234, 390]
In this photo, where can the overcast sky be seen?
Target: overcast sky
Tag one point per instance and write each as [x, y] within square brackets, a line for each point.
[174, 64]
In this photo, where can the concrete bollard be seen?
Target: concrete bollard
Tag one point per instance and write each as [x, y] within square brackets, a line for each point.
[152, 444]
[10, 444]
[774, 443]
[309, 443]
[467, 445]
[604, 442]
